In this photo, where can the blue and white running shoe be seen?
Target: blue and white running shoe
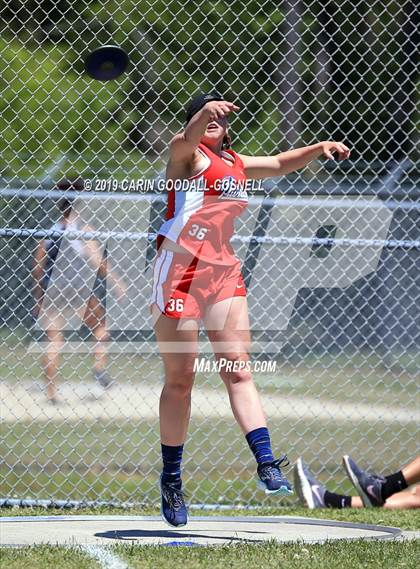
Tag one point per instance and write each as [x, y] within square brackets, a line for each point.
[173, 508]
[271, 478]
[311, 493]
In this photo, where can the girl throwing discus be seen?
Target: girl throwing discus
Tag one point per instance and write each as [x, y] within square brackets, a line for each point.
[198, 278]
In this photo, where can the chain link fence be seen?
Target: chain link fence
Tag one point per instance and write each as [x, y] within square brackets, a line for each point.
[330, 254]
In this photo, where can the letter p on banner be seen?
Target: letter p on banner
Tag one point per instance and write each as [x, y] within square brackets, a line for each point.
[284, 266]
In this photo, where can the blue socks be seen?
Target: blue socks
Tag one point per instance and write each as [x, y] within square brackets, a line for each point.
[258, 440]
[259, 443]
[171, 457]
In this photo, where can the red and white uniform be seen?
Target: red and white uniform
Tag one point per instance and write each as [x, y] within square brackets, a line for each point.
[202, 222]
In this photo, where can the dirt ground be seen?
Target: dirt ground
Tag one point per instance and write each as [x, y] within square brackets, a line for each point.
[26, 400]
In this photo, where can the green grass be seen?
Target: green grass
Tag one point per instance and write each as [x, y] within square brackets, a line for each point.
[332, 555]
[272, 555]
[354, 555]
[45, 557]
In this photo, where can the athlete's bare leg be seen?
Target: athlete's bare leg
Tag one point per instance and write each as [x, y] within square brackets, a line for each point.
[175, 399]
[50, 359]
[94, 319]
[411, 472]
[405, 500]
[233, 343]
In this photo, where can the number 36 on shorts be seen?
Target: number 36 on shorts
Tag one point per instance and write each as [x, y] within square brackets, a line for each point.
[198, 232]
[175, 305]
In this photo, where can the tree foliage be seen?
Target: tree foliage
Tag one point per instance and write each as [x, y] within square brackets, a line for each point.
[50, 109]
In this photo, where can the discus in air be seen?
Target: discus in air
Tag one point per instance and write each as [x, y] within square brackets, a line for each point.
[106, 62]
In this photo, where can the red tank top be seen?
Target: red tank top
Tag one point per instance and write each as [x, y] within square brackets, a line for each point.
[202, 220]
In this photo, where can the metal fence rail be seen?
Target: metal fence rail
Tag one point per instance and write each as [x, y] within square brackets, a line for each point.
[330, 255]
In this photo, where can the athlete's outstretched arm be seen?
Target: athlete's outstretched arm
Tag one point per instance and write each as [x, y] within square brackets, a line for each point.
[259, 167]
[184, 144]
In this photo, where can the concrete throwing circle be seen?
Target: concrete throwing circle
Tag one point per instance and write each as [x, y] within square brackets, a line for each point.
[148, 530]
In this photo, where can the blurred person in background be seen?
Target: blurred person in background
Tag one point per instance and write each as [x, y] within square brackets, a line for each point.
[389, 492]
[61, 270]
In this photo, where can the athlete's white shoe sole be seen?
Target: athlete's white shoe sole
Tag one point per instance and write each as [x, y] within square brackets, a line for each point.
[282, 491]
[303, 488]
[365, 498]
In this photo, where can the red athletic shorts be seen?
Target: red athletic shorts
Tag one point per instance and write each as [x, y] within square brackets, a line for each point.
[184, 286]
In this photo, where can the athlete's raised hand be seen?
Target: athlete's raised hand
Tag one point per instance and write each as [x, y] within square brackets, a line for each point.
[330, 147]
[219, 109]
[183, 145]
